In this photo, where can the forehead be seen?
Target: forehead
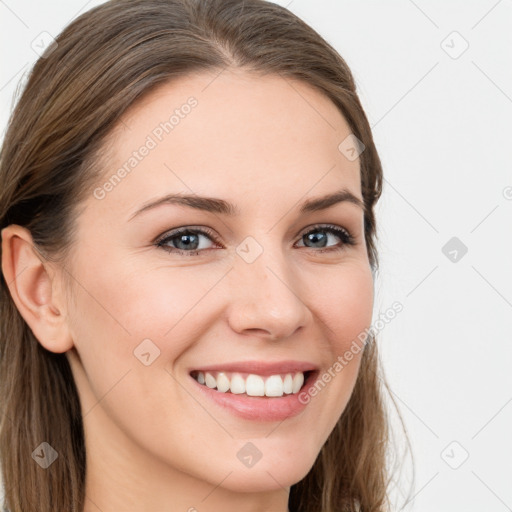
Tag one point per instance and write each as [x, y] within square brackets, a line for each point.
[232, 135]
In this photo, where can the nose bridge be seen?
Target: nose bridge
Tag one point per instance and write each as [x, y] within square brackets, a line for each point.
[266, 296]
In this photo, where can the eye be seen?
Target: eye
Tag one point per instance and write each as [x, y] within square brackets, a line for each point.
[187, 240]
[321, 240]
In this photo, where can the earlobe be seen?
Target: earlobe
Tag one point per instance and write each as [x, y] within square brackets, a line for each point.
[32, 285]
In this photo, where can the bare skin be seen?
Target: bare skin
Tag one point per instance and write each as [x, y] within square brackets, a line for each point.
[153, 442]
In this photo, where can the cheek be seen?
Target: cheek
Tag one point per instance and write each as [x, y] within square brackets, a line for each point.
[344, 308]
[345, 304]
[134, 303]
[121, 315]
[119, 308]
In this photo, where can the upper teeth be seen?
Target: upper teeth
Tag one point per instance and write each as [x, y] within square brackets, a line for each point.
[252, 385]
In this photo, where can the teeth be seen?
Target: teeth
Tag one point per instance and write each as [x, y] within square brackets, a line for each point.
[288, 384]
[237, 384]
[274, 386]
[298, 380]
[222, 382]
[210, 380]
[252, 385]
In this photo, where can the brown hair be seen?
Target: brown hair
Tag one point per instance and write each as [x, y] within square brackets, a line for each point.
[101, 64]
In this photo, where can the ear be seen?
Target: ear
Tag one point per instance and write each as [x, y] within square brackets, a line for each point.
[32, 283]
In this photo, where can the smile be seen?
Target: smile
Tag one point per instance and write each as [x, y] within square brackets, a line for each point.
[252, 384]
[256, 391]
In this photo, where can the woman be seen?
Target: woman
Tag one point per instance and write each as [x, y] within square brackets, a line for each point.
[188, 257]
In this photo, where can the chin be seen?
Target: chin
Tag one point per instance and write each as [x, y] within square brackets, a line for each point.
[268, 477]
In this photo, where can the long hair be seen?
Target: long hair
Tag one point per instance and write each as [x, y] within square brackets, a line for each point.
[100, 65]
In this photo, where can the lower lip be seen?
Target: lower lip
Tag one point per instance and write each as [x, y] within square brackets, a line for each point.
[259, 408]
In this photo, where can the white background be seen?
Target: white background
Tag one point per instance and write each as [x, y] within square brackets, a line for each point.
[442, 127]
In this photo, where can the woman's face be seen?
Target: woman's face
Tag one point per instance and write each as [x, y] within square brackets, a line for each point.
[248, 288]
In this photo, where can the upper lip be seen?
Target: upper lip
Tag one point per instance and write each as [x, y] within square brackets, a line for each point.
[260, 367]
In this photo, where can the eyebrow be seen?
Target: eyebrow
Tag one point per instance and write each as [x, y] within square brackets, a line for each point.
[215, 205]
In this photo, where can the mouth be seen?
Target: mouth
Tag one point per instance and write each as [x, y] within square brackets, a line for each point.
[274, 385]
[256, 390]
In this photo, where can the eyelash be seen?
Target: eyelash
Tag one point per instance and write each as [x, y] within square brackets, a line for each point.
[346, 237]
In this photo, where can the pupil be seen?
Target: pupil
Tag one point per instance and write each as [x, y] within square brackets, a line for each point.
[314, 238]
[188, 242]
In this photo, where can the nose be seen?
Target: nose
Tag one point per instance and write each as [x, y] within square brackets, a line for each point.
[265, 299]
